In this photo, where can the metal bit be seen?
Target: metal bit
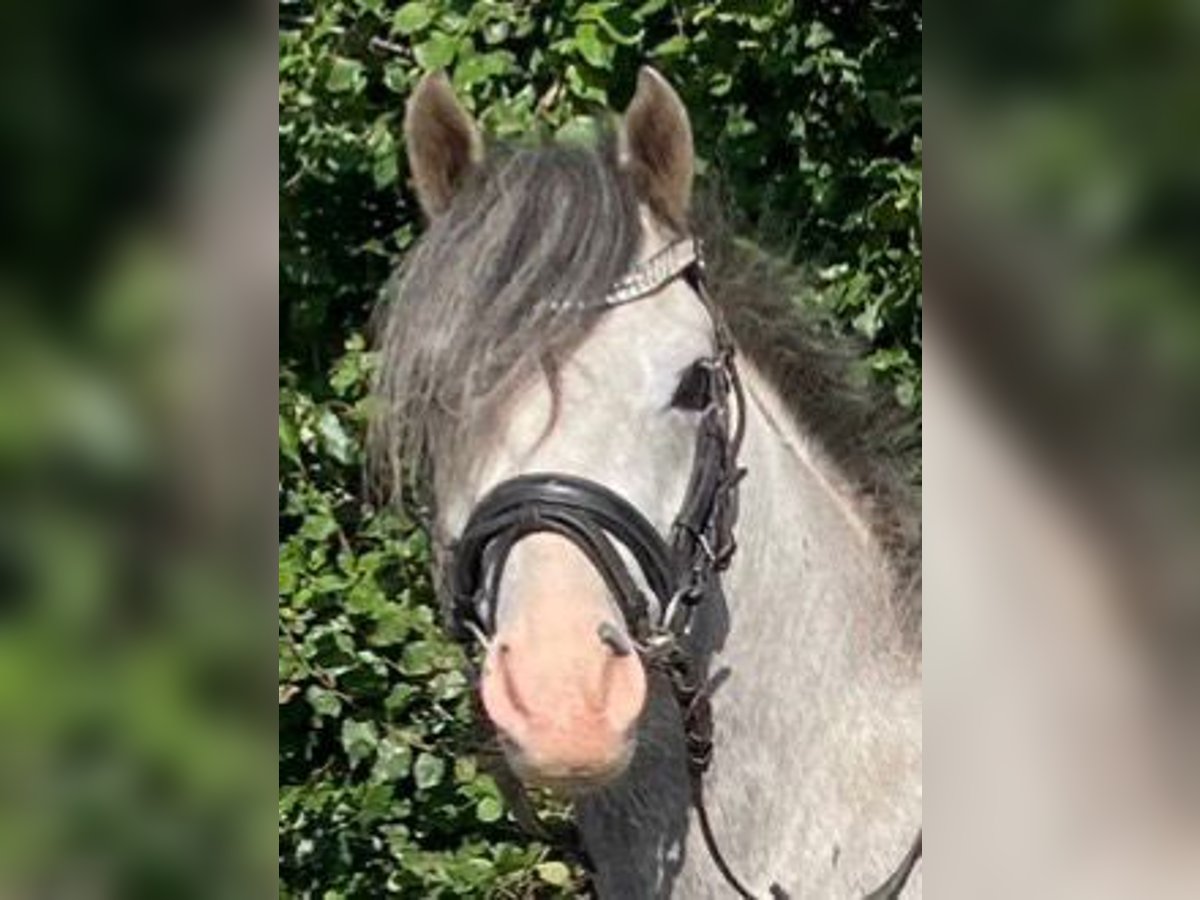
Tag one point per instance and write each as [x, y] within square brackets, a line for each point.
[614, 639]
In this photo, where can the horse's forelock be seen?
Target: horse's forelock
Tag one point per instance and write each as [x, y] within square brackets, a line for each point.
[483, 301]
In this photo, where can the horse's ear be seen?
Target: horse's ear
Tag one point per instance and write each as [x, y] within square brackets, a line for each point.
[656, 145]
[443, 143]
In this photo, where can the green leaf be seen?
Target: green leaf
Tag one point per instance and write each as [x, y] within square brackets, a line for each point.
[345, 75]
[612, 21]
[318, 526]
[391, 627]
[411, 18]
[581, 88]
[365, 598]
[591, 47]
[399, 697]
[489, 809]
[554, 873]
[720, 84]
[428, 770]
[465, 769]
[673, 46]
[449, 686]
[580, 130]
[454, 22]
[289, 440]
[358, 739]
[496, 32]
[333, 437]
[818, 35]
[385, 170]
[649, 8]
[437, 52]
[480, 68]
[396, 78]
[323, 702]
[375, 803]
[418, 658]
[392, 760]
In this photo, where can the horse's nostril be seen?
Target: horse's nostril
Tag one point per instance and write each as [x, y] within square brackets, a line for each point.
[613, 638]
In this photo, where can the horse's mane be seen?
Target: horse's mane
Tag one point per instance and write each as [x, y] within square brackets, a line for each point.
[818, 372]
[484, 302]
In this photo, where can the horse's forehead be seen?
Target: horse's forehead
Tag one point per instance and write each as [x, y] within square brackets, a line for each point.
[617, 382]
[650, 339]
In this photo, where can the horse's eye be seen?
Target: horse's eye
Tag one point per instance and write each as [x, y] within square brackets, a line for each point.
[694, 389]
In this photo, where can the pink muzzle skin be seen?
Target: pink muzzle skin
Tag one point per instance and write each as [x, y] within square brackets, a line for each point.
[555, 682]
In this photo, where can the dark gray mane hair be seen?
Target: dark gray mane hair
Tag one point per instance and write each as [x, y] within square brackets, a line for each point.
[483, 301]
[482, 304]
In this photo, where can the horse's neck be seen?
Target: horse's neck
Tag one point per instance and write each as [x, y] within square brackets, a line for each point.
[815, 779]
[809, 568]
[818, 723]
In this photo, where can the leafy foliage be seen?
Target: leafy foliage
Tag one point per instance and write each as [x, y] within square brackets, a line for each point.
[812, 116]
[375, 794]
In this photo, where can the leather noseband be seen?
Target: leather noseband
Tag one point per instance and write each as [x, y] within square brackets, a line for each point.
[585, 512]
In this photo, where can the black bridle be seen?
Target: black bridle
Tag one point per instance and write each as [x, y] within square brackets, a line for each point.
[680, 571]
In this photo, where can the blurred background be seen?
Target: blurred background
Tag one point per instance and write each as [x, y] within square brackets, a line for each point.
[1062, 355]
[148, 194]
[137, 387]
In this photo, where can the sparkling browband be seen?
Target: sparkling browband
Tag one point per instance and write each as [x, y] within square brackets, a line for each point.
[655, 272]
[647, 277]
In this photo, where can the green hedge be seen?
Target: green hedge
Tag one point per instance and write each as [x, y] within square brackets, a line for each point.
[811, 115]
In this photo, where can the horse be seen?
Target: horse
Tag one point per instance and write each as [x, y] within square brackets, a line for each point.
[559, 368]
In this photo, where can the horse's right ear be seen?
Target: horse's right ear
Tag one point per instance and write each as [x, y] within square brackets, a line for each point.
[444, 145]
[656, 146]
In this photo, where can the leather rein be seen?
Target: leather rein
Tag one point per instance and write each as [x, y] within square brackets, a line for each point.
[681, 571]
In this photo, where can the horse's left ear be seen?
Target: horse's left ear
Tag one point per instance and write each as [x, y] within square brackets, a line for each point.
[656, 146]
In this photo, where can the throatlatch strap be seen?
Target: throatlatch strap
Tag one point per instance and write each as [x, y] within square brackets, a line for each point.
[714, 851]
[696, 709]
[890, 889]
